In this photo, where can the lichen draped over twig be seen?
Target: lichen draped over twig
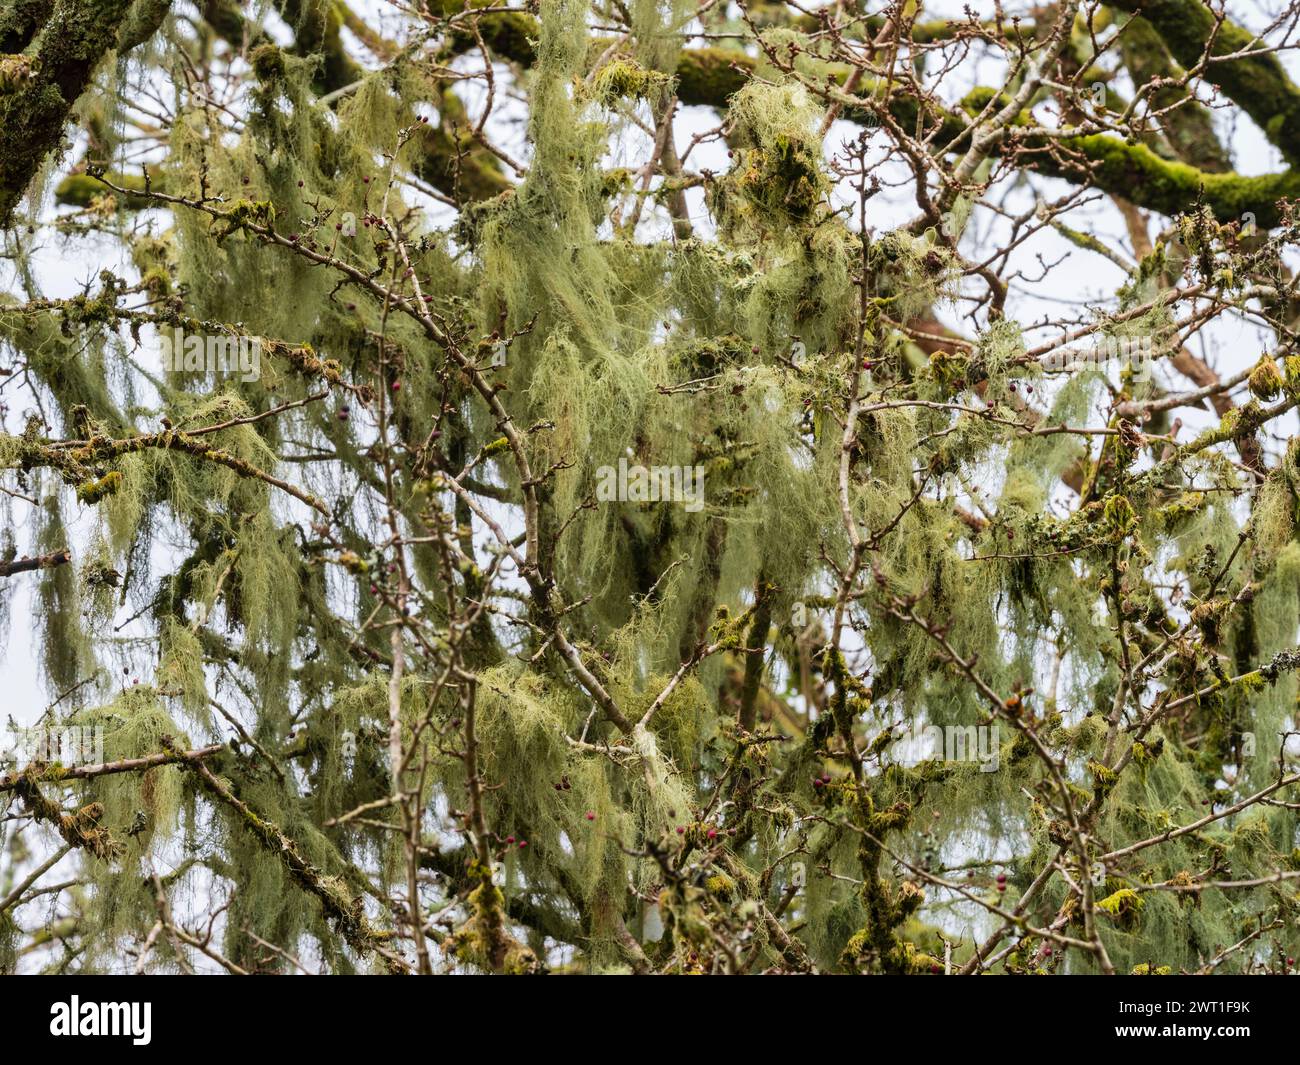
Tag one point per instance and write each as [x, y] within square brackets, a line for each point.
[617, 563]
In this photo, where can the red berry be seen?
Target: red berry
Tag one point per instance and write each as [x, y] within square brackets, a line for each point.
[397, 386]
[713, 833]
[510, 839]
[523, 843]
[591, 816]
[681, 831]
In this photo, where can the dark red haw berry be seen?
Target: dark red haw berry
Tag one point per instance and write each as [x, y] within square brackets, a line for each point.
[1012, 386]
[591, 816]
[510, 839]
[338, 226]
[1047, 952]
[397, 386]
[243, 181]
[936, 969]
[293, 238]
[1290, 961]
[300, 184]
[352, 306]
[523, 843]
[818, 782]
[365, 181]
[343, 415]
[681, 830]
[373, 589]
[1002, 887]
[713, 833]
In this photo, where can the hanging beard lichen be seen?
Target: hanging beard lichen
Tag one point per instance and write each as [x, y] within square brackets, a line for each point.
[531, 499]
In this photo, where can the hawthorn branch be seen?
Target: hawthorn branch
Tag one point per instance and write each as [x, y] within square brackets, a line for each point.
[60, 774]
[34, 562]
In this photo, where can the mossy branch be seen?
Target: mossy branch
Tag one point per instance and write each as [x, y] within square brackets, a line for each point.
[34, 109]
[27, 564]
[710, 76]
[345, 911]
[81, 829]
[61, 774]
[74, 460]
[1256, 80]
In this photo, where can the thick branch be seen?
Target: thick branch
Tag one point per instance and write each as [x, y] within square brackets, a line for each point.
[34, 562]
[1257, 83]
[79, 34]
[12, 781]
